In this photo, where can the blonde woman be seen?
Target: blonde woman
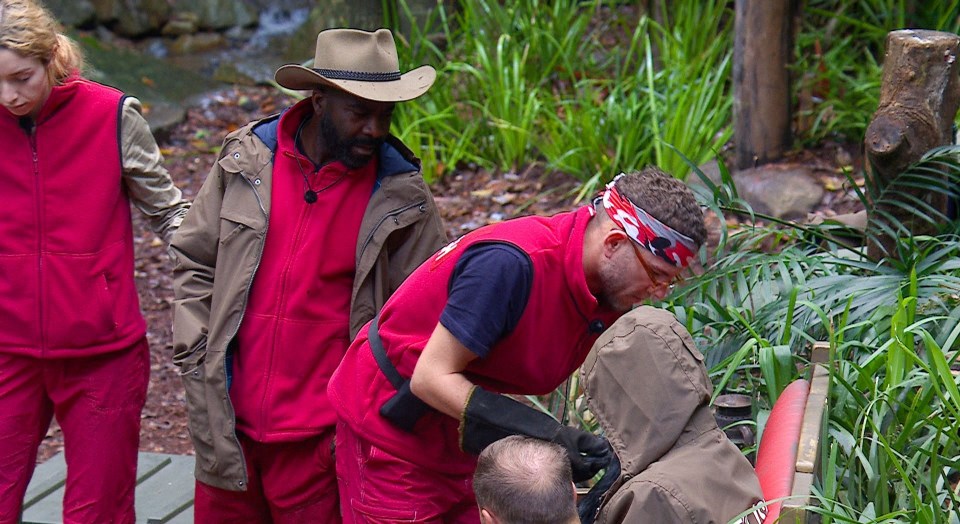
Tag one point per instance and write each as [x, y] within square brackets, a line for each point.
[72, 337]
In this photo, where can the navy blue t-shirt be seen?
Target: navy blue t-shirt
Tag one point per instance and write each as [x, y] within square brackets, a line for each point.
[489, 289]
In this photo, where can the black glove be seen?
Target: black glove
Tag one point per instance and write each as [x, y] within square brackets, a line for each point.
[489, 417]
[589, 505]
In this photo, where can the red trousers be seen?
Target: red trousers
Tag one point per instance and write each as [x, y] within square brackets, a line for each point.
[379, 488]
[287, 483]
[97, 401]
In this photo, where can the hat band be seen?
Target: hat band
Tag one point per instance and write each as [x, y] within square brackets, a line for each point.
[339, 74]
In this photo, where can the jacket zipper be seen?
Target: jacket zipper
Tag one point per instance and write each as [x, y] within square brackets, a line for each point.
[32, 138]
[393, 214]
[236, 328]
[281, 304]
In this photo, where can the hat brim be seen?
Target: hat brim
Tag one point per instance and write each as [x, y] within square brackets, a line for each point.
[411, 84]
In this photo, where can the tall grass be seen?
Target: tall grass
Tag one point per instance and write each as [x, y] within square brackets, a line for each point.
[894, 449]
[594, 87]
[590, 88]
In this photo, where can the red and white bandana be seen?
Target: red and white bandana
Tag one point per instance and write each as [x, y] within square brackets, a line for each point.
[660, 239]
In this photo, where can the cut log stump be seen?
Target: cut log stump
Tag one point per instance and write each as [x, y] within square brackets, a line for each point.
[919, 97]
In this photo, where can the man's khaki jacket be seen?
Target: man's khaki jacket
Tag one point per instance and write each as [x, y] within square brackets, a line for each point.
[646, 383]
[217, 251]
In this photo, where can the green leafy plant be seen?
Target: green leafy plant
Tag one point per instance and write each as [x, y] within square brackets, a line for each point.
[530, 82]
[895, 428]
[772, 287]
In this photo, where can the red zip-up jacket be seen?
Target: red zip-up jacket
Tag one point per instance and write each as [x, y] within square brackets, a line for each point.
[66, 249]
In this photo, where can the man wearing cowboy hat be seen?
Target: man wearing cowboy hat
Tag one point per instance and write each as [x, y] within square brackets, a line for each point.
[306, 224]
[509, 308]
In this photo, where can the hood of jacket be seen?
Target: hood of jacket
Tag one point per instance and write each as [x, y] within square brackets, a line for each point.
[645, 382]
[647, 385]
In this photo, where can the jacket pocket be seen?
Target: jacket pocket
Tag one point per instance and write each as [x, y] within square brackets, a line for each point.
[241, 209]
[198, 415]
[687, 340]
[90, 300]
[190, 361]
[106, 302]
[19, 307]
[234, 227]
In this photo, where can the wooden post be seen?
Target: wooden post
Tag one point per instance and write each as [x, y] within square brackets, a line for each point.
[763, 45]
[919, 97]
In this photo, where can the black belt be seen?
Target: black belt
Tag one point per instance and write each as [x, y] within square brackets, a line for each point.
[380, 354]
[403, 409]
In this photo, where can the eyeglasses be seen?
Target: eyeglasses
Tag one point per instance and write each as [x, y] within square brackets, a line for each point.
[656, 277]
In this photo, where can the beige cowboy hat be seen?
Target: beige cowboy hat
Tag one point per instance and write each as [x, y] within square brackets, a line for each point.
[362, 63]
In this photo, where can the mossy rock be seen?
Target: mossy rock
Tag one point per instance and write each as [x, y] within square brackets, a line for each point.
[155, 82]
[230, 73]
[141, 75]
[133, 18]
[219, 14]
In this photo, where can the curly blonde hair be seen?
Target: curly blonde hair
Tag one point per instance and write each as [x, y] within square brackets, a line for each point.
[28, 29]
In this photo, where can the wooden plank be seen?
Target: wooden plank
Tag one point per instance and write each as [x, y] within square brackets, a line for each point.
[801, 492]
[808, 449]
[47, 477]
[149, 464]
[47, 488]
[167, 493]
[794, 508]
[820, 353]
[184, 517]
[47, 510]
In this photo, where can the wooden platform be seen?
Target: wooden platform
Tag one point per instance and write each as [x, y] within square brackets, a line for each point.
[164, 490]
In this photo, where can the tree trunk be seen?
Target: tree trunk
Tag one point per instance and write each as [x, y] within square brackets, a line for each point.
[919, 97]
[763, 43]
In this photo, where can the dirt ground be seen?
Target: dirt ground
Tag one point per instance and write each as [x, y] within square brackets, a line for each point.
[467, 200]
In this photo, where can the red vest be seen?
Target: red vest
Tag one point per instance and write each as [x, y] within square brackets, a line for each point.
[549, 343]
[296, 326]
[66, 249]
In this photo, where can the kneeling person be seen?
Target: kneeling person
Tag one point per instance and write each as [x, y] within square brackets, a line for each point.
[646, 383]
[525, 480]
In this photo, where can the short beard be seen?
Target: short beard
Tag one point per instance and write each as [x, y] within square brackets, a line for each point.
[612, 280]
[342, 149]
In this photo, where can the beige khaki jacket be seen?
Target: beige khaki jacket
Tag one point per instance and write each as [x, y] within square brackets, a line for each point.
[646, 383]
[217, 251]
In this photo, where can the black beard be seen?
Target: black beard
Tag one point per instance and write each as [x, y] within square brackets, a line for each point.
[342, 149]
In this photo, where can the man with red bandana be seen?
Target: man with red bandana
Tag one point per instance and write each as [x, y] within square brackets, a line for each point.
[512, 308]
[308, 221]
